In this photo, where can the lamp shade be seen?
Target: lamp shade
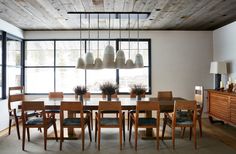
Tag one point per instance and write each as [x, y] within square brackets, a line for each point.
[129, 63]
[80, 63]
[108, 58]
[120, 59]
[98, 63]
[139, 61]
[89, 60]
[218, 67]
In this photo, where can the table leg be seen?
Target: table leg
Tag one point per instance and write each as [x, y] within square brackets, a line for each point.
[148, 134]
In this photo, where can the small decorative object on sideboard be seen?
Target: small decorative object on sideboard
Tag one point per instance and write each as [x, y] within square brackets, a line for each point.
[138, 89]
[230, 87]
[80, 90]
[108, 89]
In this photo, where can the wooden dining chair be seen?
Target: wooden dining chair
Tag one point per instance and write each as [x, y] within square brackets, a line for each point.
[36, 122]
[110, 112]
[164, 96]
[74, 122]
[133, 95]
[109, 122]
[199, 98]
[184, 115]
[54, 95]
[145, 122]
[15, 98]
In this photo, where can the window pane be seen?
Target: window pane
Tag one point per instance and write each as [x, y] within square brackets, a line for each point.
[97, 77]
[39, 53]
[68, 78]
[128, 77]
[13, 77]
[13, 52]
[39, 80]
[67, 52]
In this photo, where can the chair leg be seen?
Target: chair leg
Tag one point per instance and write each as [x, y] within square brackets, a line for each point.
[200, 126]
[96, 129]
[28, 134]
[61, 137]
[164, 127]
[82, 131]
[99, 137]
[23, 139]
[45, 138]
[55, 130]
[17, 127]
[195, 137]
[123, 125]
[173, 137]
[190, 131]
[120, 132]
[128, 120]
[130, 130]
[182, 132]
[89, 130]
[91, 119]
[9, 128]
[136, 137]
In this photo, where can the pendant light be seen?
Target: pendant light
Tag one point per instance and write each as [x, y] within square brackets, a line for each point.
[89, 55]
[108, 58]
[80, 61]
[129, 62]
[120, 56]
[138, 57]
[98, 62]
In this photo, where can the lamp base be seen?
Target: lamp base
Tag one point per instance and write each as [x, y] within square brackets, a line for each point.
[217, 81]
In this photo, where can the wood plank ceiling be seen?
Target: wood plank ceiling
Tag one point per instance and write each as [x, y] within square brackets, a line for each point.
[165, 14]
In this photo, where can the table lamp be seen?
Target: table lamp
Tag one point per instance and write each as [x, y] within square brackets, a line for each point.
[218, 68]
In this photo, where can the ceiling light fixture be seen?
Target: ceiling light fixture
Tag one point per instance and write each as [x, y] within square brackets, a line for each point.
[80, 61]
[129, 62]
[98, 62]
[138, 57]
[89, 55]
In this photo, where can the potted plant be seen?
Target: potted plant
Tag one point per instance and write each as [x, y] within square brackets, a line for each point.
[138, 89]
[108, 89]
[80, 91]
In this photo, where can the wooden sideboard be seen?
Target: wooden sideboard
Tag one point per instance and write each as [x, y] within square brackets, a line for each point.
[222, 106]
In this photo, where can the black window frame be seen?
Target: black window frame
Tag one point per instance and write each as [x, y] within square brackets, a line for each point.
[86, 40]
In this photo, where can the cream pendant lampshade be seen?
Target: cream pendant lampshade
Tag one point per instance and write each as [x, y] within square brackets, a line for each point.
[98, 63]
[80, 63]
[108, 58]
[138, 61]
[120, 59]
[89, 60]
[129, 63]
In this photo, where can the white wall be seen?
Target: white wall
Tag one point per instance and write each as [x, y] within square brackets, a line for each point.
[224, 45]
[180, 59]
[9, 28]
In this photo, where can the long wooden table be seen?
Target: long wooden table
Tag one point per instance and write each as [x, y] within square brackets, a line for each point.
[126, 103]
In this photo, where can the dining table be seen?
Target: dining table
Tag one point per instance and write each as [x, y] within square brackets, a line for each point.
[126, 104]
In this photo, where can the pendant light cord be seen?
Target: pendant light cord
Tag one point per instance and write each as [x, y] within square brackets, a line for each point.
[120, 32]
[98, 39]
[109, 28]
[129, 36]
[89, 32]
[80, 35]
[138, 31]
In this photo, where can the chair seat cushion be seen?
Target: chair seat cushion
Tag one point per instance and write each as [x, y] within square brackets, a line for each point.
[109, 121]
[71, 121]
[34, 121]
[147, 121]
[184, 118]
[134, 111]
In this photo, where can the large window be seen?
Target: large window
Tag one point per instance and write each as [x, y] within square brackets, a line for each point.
[50, 65]
[13, 62]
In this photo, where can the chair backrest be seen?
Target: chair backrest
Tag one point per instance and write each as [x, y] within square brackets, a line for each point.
[33, 106]
[133, 95]
[55, 95]
[165, 95]
[112, 96]
[71, 106]
[87, 95]
[198, 95]
[15, 94]
[185, 105]
[109, 106]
